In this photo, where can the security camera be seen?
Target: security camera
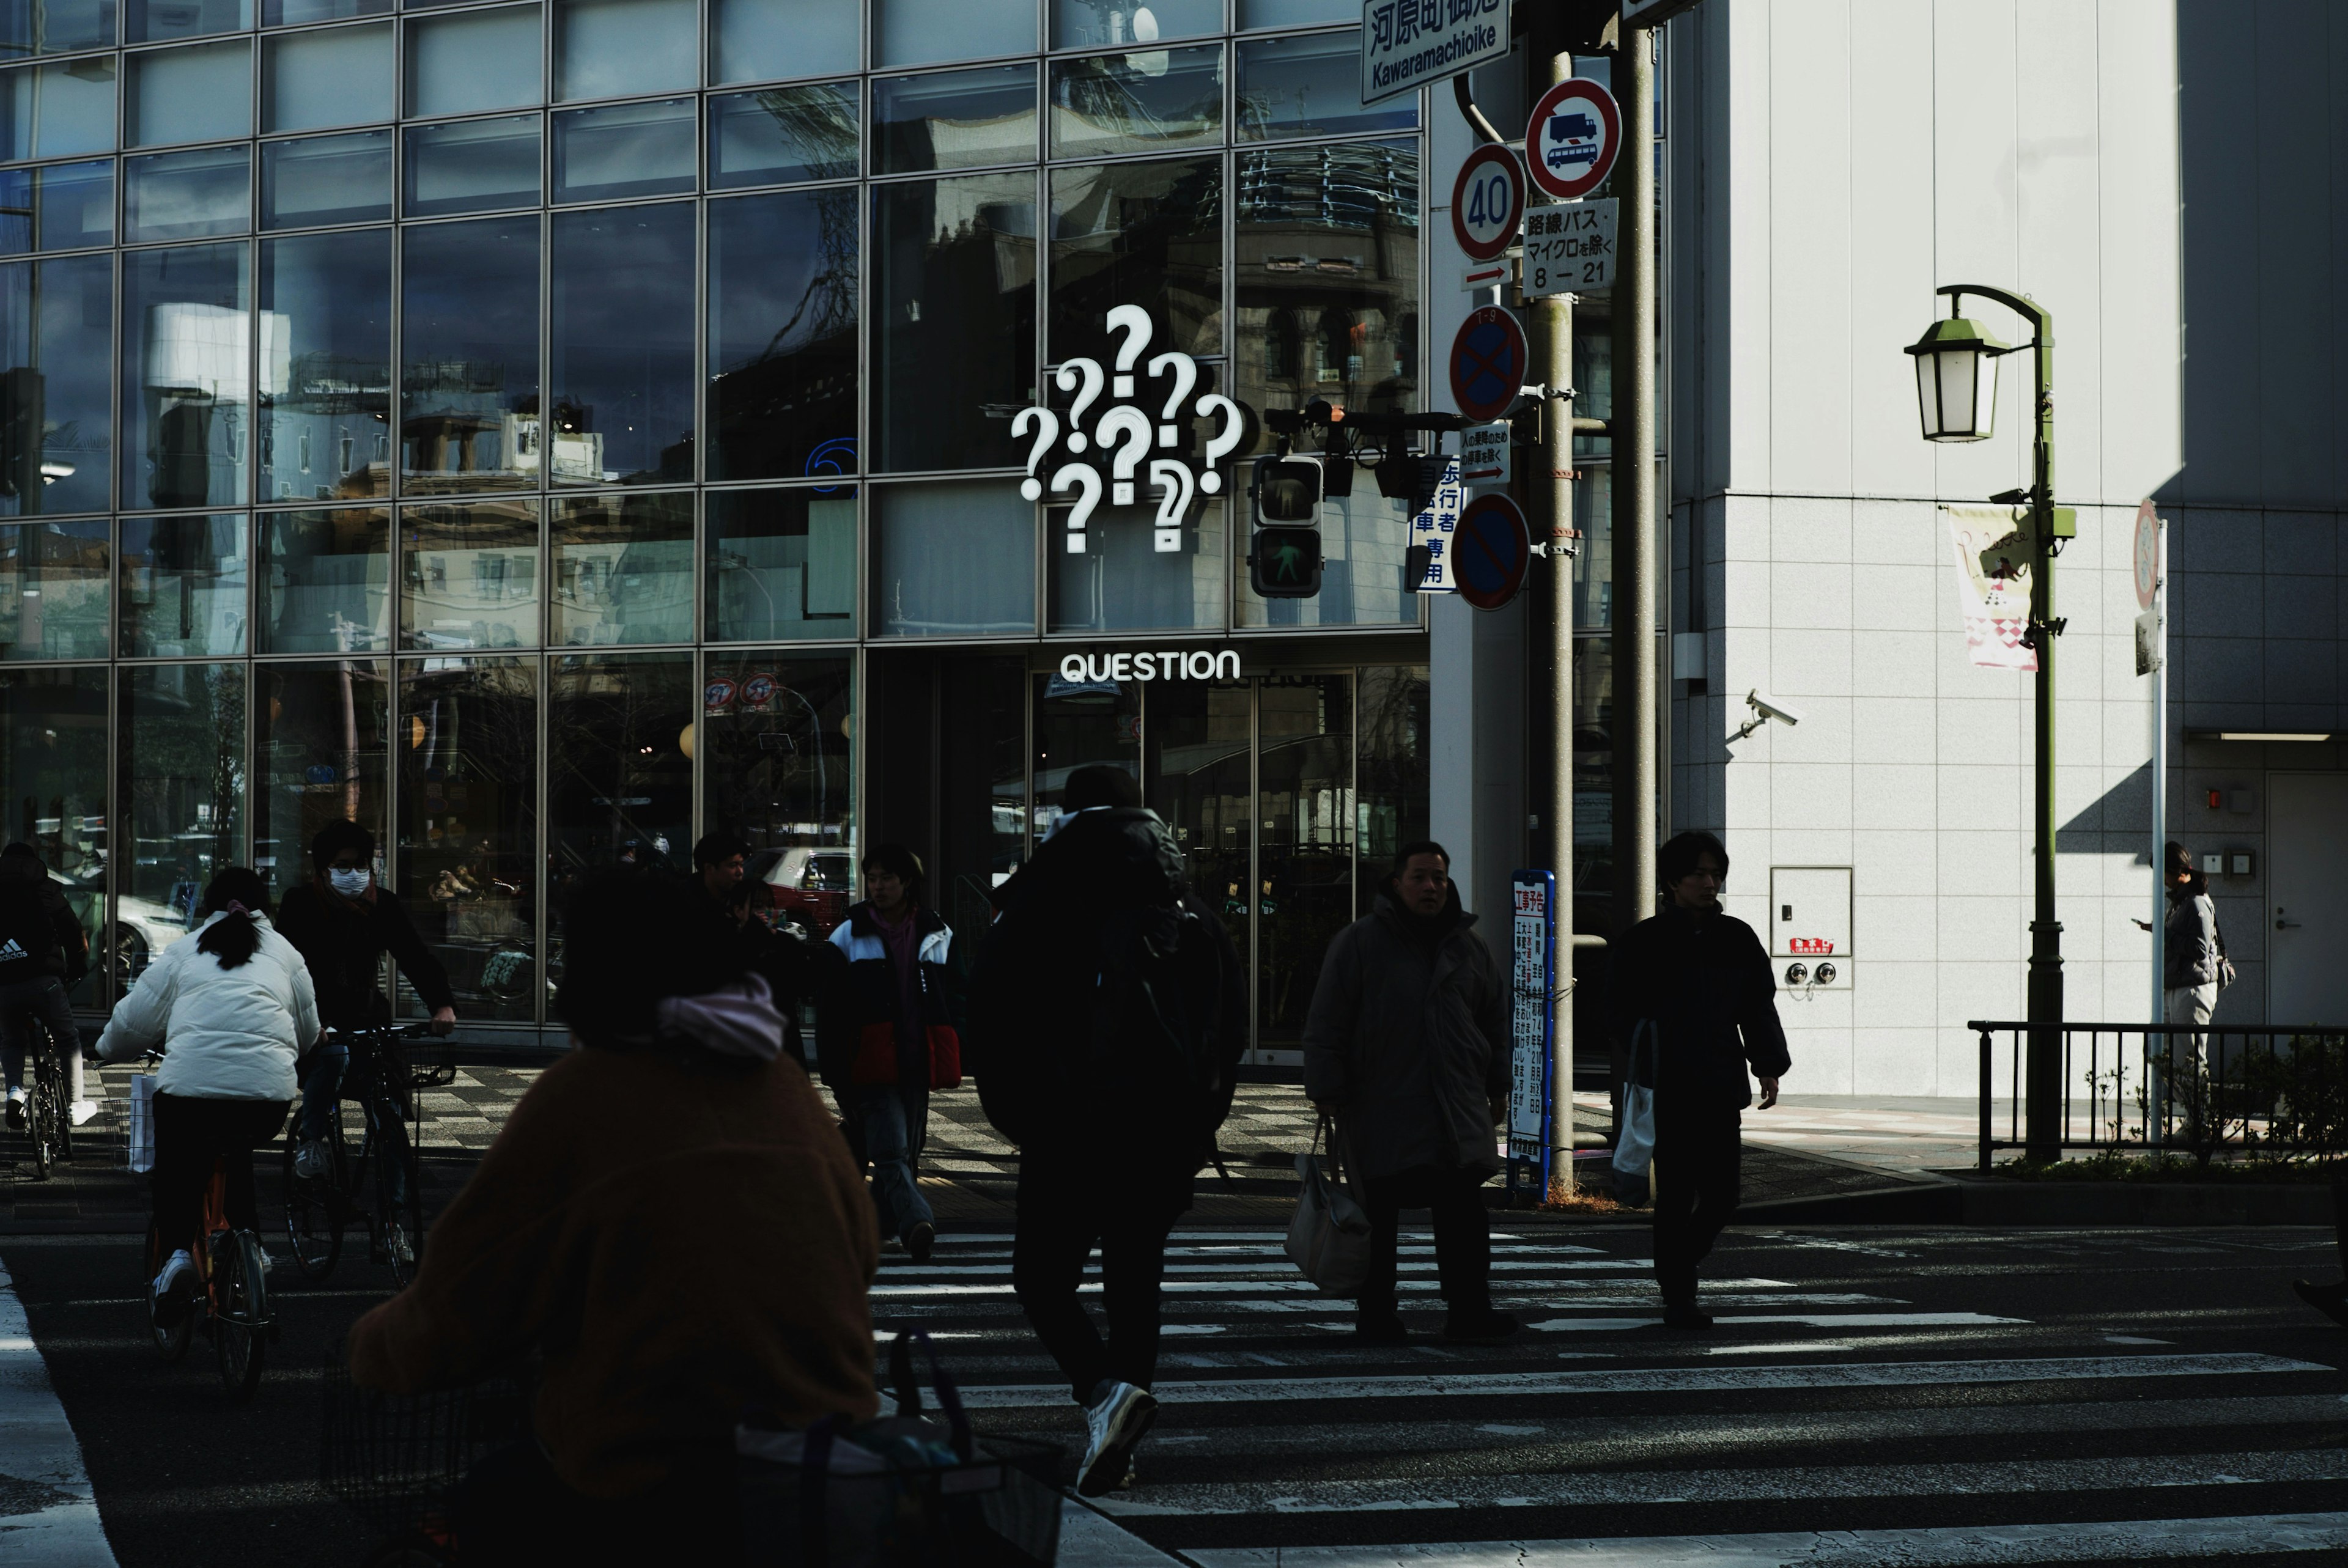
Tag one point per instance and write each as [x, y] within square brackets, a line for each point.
[1764, 711]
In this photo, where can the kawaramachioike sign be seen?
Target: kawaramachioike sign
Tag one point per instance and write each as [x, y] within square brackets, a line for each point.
[1164, 664]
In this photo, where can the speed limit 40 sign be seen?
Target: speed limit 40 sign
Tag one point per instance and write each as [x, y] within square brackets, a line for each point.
[1488, 201]
[1569, 248]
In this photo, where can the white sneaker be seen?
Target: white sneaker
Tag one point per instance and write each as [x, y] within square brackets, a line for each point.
[15, 1107]
[82, 1110]
[174, 1288]
[1117, 1424]
[314, 1160]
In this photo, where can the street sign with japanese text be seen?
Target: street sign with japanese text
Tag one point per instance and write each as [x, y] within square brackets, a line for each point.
[1484, 454]
[1533, 1023]
[1488, 359]
[1571, 138]
[1569, 248]
[1487, 201]
[1432, 529]
[1407, 44]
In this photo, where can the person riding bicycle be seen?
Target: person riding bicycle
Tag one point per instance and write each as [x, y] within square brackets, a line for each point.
[343, 924]
[671, 1220]
[43, 954]
[233, 1005]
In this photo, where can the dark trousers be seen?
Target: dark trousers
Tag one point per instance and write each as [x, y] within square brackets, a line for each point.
[44, 998]
[1064, 1211]
[512, 1509]
[190, 1134]
[1696, 1155]
[1463, 1235]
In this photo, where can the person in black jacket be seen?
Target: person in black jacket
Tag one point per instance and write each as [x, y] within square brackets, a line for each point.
[1703, 979]
[44, 953]
[1108, 1013]
[343, 924]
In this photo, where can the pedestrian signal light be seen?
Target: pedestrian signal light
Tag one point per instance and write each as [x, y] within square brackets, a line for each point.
[1285, 563]
[1288, 492]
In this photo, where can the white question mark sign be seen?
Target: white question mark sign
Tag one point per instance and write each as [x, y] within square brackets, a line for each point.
[1174, 481]
[1185, 370]
[1089, 371]
[1086, 480]
[1133, 425]
[1134, 323]
[1047, 430]
[1225, 439]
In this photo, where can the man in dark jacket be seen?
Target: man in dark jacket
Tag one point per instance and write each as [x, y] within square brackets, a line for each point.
[1107, 1014]
[1703, 979]
[1407, 1046]
[44, 953]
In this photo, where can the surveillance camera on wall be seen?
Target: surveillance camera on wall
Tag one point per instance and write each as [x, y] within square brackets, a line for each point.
[1763, 709]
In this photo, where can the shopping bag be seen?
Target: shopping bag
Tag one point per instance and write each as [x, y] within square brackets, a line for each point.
[1635, 1151]
[1329, 1238]
[142, 1121]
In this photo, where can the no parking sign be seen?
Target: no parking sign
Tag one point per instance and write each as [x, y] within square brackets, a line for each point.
[1488, 359]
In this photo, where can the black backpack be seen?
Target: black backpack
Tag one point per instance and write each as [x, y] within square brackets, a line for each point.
[1150, 1043]
[29, 948]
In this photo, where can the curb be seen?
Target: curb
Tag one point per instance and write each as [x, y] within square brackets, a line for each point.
[1996, 1203]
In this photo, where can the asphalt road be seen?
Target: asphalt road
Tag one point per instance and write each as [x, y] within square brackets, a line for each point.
[1954, 1396]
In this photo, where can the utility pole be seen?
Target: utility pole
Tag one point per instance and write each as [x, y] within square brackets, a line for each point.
[1637, 694]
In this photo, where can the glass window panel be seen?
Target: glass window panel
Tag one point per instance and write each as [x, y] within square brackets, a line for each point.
[1121, 581]
[56, 331]
[955, 560]
[202, 92]
[55, 585]
[783, 135]
[318, 737]
[292, 12]
[480, 60]
[1080, 724]
[782, 335]
[923, 32]
[1251, 16]
[65, 206]
[954, 338]
[1147, 235]
[468, 378]
[1138, 103]
[472, 165]
[469, 576]
[465, 857]
[183, 586]
[1304, 850]
[1391, 770]
[1201, 745]
[773, 40]
[339, 76]
[622, 355]
[326, 385]
[1362, 542]
[1327, 287]
[187, 195]
[1594, 783]
[56, 27]
[1311, 87]
[1100, 24]
[982, 786]
[164, 21]
[619, 770]
[617, 49]
[324, 582]
[326, 179]
[953, 119]
[781, 773]
[187, 327]
[782, 563]
[624, 149]
[56, 112]
[52, 730]
[180, 749]
[622, 571]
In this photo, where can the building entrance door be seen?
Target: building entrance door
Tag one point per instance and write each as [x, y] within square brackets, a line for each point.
[2307, 911]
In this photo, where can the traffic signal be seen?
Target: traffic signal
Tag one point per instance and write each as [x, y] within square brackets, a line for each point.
[1284, 552]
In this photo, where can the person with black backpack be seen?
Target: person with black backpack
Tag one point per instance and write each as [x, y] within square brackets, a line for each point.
[1106, 1020]
[43, 953]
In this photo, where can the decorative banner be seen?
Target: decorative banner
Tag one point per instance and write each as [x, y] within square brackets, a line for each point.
[1994, 584]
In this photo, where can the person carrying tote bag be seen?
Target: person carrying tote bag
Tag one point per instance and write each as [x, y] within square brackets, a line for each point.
[1635, 1151]
[1329, 1239]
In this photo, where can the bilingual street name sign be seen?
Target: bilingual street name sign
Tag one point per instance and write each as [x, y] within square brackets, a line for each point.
[1406, 44]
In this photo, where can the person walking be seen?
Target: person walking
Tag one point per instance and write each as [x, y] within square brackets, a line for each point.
[1108, 1013]
[2193, 970]
[1406, 1046]
[1703, 979]
[888, 1033]
[44, 954]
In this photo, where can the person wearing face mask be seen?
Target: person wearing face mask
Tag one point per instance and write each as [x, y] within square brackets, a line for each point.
[343, 924]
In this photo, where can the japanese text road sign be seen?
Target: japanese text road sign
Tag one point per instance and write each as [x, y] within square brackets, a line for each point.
[1407, 44]
[1432, 529]
[1488, 202]
[1571, 138]
[1489, 551]
[1533, 950]
[1484, 454]
[1569, 248]
[1488, 364]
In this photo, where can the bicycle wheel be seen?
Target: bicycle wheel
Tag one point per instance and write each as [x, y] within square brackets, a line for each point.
[58, 1065]
[400, 1225]
[313, 1206]
[44, 1114]
[240, 1311]
[170, 1343]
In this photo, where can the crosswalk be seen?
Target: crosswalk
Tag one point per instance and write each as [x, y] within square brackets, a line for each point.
[1835, 1425]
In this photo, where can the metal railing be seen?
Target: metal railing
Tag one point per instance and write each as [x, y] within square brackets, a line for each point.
[2268, 1091]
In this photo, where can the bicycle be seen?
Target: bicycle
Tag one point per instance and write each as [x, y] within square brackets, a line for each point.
[46, 1126]
[233, 1299]
[382, 1082]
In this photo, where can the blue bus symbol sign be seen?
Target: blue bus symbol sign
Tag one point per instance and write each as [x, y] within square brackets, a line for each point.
[1573, 138]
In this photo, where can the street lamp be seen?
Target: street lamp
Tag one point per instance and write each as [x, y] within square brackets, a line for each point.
[1956, 389]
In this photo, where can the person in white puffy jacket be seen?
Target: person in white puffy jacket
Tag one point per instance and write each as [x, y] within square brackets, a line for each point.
[231, 1007]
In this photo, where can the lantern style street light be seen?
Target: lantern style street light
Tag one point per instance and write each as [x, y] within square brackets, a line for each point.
[1956, 396]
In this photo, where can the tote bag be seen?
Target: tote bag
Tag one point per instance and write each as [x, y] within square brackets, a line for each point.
[1635, 1151]
[1329, 1238]
[141, 1143]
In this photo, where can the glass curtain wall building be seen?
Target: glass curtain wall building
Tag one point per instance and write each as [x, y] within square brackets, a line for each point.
[547, 431]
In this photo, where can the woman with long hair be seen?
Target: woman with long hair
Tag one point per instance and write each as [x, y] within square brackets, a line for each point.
[233, 1007]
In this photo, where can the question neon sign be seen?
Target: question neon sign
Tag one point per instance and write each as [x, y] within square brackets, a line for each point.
[1126, 434]
[1170, 664]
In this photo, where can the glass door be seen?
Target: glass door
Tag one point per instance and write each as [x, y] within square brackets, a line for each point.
[1305, 847]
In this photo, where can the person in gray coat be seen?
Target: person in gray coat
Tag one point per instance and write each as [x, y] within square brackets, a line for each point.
[1406, 1045]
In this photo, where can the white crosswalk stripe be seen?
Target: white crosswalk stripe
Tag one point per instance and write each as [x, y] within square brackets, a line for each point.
[1817, 1398]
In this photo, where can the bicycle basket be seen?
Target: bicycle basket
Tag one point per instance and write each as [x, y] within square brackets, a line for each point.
[870, 1504]
[431, 1064]
[396, 1459]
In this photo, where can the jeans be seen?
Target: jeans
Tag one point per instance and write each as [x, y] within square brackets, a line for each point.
[190, 1134]
[322, 1082]
[1698, 1152]
[1463, 1236]
[892, 1140]
[44, 998]
[1063, 1212]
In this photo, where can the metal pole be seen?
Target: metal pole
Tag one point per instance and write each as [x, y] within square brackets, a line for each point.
[1636, 695]
[2045, 1088]
[2155, 1082]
